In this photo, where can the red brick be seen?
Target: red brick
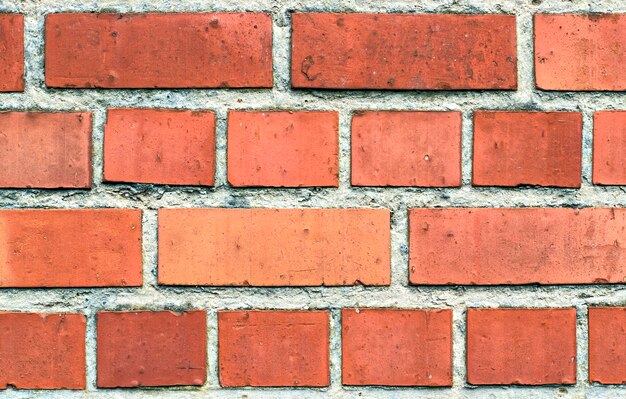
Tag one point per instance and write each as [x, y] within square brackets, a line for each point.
[403, 51]
[609, 148]
[45, 149]
[517, 246]
[406, 149]
[70, 248]
[580, 52]
[11, 52]
[159, 146]
[607, 345]
[42, 351]
[397, 347]
[179, 50]
[273, 348]
[527, 148]
[151, 348]
[274, 247]
[283, 149]
[521, 346]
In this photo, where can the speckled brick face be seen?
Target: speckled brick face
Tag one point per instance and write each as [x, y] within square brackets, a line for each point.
[327, 199]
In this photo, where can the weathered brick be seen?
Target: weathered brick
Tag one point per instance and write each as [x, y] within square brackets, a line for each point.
[396, 347]
[159, 146]
[151, 348]
[42, 351]
[283, 148]
[180, 50]
[274, 247]
[534, 148]
[70, 248]
[609, 148]
[485, 246]
[11, 52]
[403, 51]
[521, 346]
[580, 51]
[45, 149]
[391, 148]
[273, 348]
[607, 345]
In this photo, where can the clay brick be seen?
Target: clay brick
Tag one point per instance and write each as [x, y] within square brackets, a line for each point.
[42, 351]
[580, 52]
[45, 149]
[607, 345]
[70, 248]
[179, 50]
[406, 148]
[283, 149]
[274, 247]
[403, 51]
[151, 348]
[517, 246]
[273, 348]
[11, 52]
[527, 148]
[396, 347]
[609, 148]
[521, 346]
[159, 146]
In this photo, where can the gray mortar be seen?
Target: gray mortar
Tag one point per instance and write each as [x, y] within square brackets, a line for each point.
[399, 295]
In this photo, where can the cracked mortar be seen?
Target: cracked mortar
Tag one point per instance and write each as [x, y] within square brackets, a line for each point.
[399, 295]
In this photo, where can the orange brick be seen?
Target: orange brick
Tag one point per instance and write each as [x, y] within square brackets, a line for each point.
[42, 351]
[11, 52]
[397, 347]
[609, 148]
[534, 148]
[403, 51]
[273, 348]
[406, 149]
[607, 345]
[70, 248]
[521, 346]
[151, 348]
[283, 149]
[274, 247]
[180, 50]
[160, 146]
[45, 149]
[580, 52]
[517, 246]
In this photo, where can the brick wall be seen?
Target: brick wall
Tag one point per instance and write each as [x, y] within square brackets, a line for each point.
[320, 199]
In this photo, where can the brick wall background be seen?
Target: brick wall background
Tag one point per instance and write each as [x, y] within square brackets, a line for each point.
[45, 252]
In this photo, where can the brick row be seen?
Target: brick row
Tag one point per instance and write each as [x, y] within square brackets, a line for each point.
[275, 348]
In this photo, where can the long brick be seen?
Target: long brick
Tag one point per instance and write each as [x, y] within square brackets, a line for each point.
[179, 50]
[406, 148]
[580, 52]
[274, 247]
[151, 348]
[159, 146]
[45, 149]
[521, 346]
[517, 246]
[283, 149]
[396, 347]
[609, 148]
[273, 348]
[607, 345]
[403, 51]
[70, 248]
[534, 148]
[11, 52]
[42, 351]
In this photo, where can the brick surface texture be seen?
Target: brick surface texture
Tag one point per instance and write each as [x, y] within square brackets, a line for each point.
[317, 199]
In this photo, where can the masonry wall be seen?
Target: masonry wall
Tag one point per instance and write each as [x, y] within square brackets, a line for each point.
[314, 199]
